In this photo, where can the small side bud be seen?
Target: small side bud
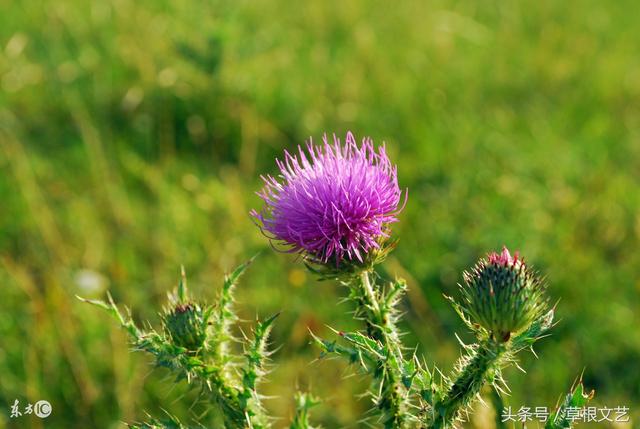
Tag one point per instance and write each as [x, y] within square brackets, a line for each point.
[186, 324]
[503, 295]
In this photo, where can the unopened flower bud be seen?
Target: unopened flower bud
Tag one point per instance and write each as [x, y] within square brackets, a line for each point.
[503, 295]
[186, 324]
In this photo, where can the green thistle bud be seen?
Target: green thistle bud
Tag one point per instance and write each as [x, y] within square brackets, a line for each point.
[503, 295]
[186, 324]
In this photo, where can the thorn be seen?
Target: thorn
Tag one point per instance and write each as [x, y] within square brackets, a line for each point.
[464, 346]
[534, 352]
[333, 330]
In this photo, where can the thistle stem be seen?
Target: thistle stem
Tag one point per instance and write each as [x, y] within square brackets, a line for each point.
[372, 301]
[304, 402]
[372, 308]
[498, 406]
[476, 371]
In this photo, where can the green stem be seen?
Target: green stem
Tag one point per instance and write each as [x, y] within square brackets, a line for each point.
[252, 372]
[369, 292]
[304, 402]
[379, 320]
[478, 368]
[498, 407]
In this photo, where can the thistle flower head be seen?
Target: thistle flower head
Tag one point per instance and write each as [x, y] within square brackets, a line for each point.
[332, 202]
[503, 295]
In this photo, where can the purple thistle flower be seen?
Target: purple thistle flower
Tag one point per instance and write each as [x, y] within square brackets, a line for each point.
[504, 258]
[333, 201]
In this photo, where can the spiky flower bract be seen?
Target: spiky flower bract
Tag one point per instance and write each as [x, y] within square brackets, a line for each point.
[503, 295]
[333, 202]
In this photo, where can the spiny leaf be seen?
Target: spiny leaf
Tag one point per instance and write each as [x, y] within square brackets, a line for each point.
[353, 355]
[112, 309]
[363, 342]
[222, 318]
[575, 399]
[232, 278]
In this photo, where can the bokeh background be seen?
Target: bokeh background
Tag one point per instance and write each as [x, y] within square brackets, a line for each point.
[133, 134]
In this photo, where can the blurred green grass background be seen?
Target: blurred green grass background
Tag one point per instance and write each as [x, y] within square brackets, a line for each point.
[133, 134]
